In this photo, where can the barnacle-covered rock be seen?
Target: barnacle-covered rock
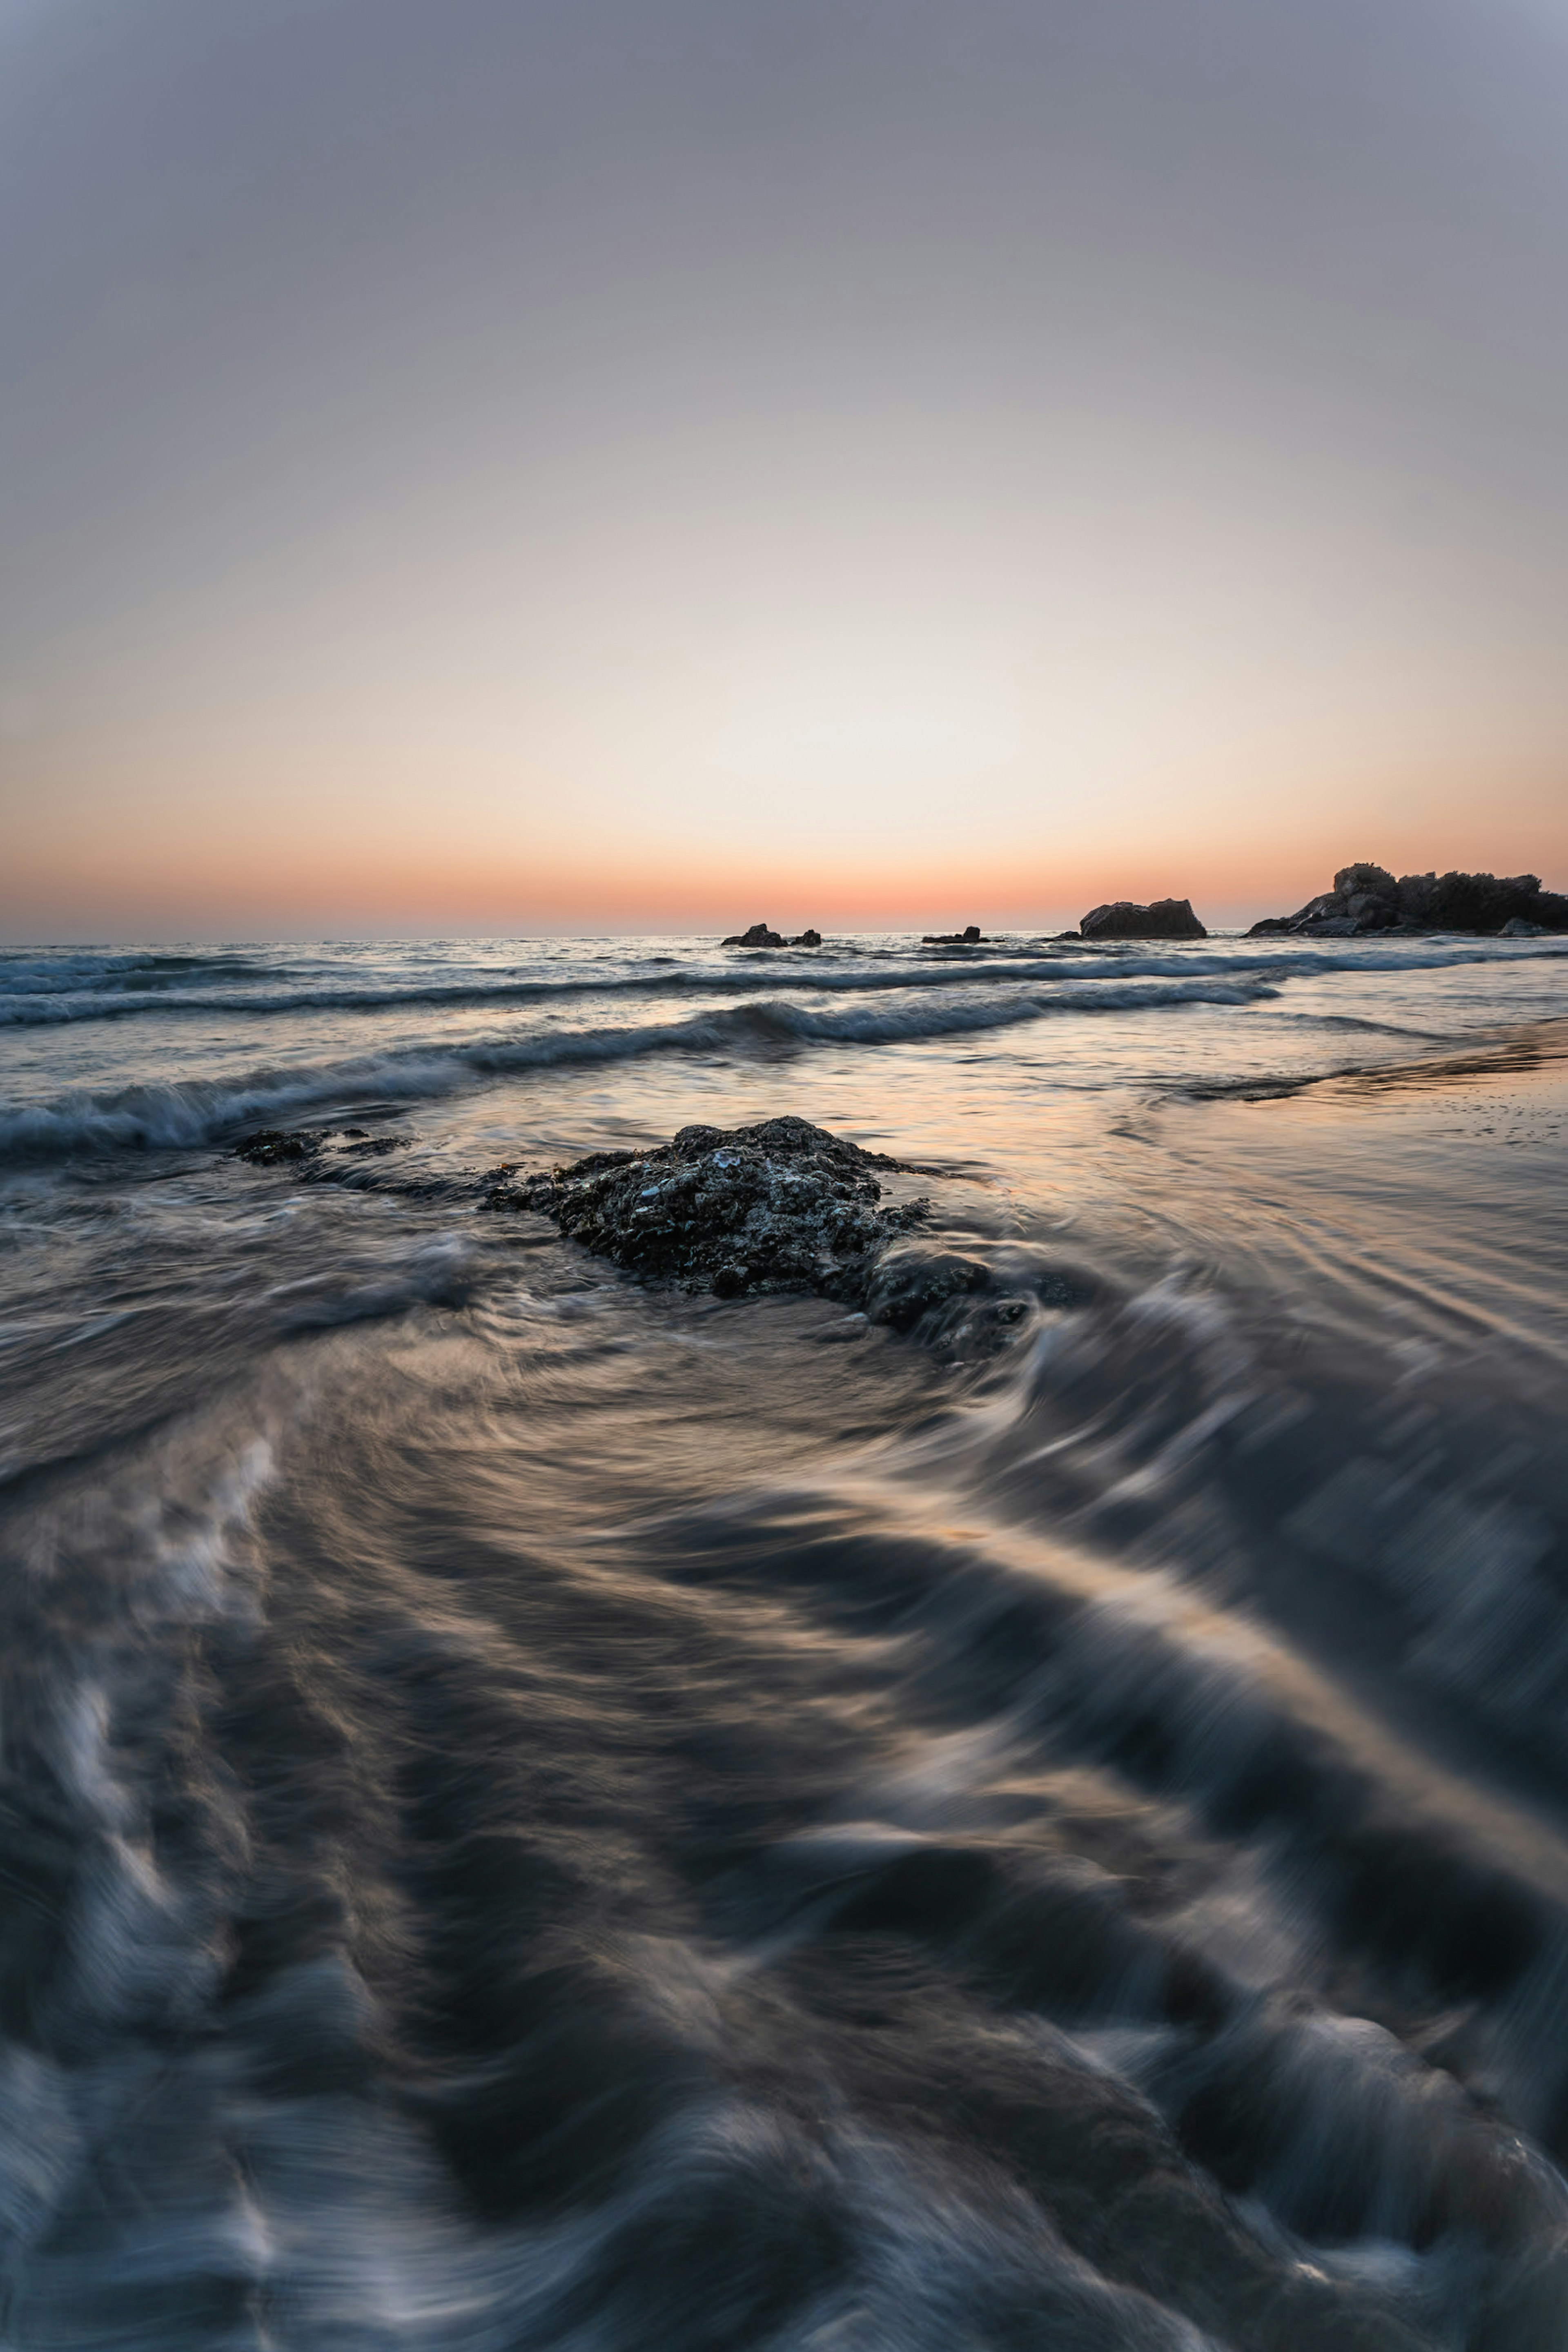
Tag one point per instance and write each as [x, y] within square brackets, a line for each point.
[782, 1205]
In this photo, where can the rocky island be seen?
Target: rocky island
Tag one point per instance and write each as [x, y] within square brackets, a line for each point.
[1166, 919]
[1368, 899]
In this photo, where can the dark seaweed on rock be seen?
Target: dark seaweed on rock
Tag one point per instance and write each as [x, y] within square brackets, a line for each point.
[302, 1146]
[305, 1147]
[278, 1147]
[354, 1163]
[780, 1205]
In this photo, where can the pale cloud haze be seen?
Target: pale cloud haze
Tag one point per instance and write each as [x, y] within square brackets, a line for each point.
[497, 465]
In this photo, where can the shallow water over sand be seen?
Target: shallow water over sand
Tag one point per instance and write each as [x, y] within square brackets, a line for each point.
[542, 1811]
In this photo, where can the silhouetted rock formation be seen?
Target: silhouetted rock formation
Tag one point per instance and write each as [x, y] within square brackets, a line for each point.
[760, 936]
[1366, 899]
[970, 937]
[1166, 919]
[782, 1206]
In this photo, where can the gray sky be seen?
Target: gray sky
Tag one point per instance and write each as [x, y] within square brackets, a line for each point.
[470, 463]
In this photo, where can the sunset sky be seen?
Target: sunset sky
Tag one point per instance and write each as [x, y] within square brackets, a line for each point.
[481, 465]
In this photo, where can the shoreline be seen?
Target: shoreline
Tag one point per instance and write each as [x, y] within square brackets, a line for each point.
[1530, 1050]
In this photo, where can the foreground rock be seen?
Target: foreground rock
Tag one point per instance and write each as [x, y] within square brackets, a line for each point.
[782, 1206]
[1367, 898]
[1166, 919]
[760, 936]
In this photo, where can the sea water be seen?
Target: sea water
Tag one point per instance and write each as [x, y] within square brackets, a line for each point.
[538, 1810]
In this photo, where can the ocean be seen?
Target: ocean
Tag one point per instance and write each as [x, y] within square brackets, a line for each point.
[544, 1811]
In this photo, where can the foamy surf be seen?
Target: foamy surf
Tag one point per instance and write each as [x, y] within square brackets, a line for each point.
[544, 1808]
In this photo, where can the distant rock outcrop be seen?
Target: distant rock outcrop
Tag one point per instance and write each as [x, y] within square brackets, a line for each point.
[1166, 919]
[760, 936]
[1367, 898]
[969, 937]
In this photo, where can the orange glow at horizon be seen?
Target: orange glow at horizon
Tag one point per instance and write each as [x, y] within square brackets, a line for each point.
[204, 887]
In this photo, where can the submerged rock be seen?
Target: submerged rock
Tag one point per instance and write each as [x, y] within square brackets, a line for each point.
[278, 1147]
[1367, 898]
[1164, 919]
[782, 1206]
[970, 936]
[305, 1149]
[908, 1284]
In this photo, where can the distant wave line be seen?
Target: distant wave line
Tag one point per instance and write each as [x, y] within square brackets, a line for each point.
[32, 1008]
[185, 1113]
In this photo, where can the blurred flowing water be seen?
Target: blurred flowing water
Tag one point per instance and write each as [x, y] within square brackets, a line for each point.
[538, 1811]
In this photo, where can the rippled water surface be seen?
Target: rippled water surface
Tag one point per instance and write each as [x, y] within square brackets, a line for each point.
[540, 1811]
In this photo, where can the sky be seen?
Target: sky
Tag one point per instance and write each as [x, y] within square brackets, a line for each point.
[474, 465]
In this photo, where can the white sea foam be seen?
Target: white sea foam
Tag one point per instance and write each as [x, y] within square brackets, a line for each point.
[197, 1110]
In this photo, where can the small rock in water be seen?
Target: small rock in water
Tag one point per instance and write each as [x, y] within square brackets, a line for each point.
[969, 937]
[761, 935]
[306, 1148]
[782, 1205]
[274, 1146]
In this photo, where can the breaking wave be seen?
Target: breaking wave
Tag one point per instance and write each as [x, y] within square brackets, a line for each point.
[192, 1111]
